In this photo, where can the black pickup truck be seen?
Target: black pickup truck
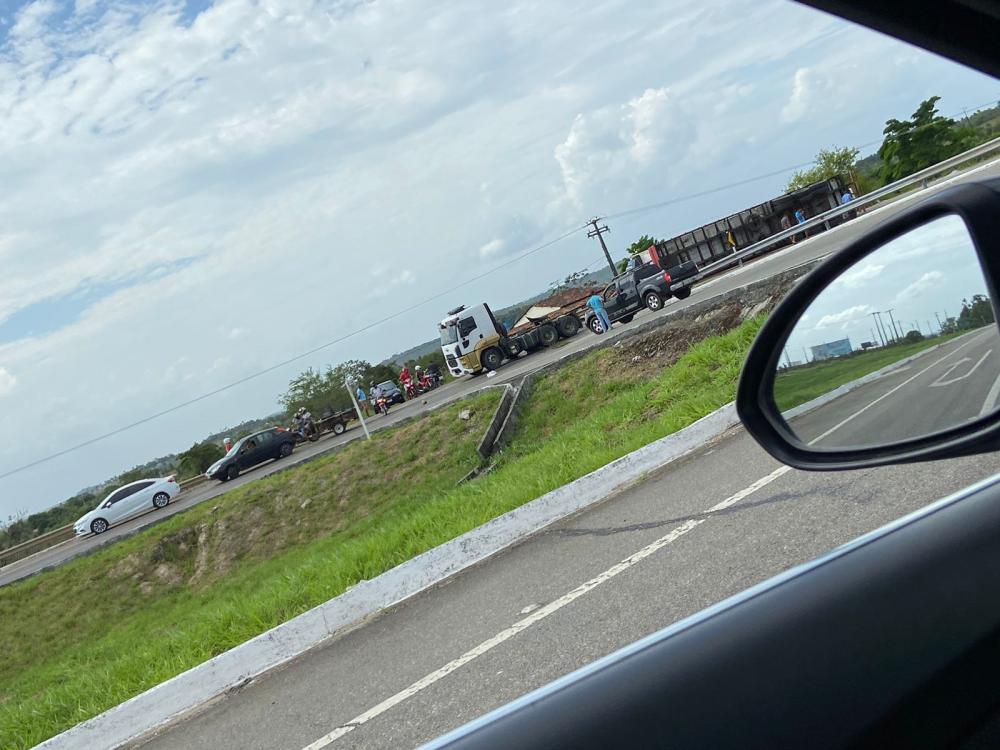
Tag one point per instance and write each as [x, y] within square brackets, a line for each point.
[642, 285]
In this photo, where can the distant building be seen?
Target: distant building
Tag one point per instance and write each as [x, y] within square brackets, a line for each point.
[831, 349]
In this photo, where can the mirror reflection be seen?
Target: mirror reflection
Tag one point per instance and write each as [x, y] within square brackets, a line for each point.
[903, 344]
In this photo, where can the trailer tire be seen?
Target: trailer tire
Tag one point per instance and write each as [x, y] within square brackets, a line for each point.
[548, 334]
[338, 428]
[683, 293]
[491, 359]
[568, 326]
[653, 301]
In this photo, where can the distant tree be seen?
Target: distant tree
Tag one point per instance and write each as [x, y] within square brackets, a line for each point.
[196, 459]
[925, 139]
[641, 245]
[975, 313]
[829, 162]
[913, 337]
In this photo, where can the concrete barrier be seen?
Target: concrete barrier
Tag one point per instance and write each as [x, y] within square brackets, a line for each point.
[30, 547]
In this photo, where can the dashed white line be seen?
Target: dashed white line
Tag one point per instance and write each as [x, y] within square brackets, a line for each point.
[538, 615]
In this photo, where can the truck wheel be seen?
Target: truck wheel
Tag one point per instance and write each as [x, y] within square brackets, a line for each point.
[548, 335]
[653, 301]
[338, 428]
[491, 359]
[568, 325]
[683, 292]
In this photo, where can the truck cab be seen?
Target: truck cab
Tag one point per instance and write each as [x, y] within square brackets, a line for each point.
[466, 333]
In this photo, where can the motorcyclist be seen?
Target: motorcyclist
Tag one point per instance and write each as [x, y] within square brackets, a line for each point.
[303, 419]
[435, 372]
[376, 395]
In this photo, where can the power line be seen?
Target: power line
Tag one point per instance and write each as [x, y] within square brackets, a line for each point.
[410, 308]
[303, 355]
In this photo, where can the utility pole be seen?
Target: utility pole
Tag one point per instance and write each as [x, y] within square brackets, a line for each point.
[788, 360]
[893, 321]
[940, 327]
[597, 231]
[930, 331]
[878, 326]
[874, 337]
[805, 356]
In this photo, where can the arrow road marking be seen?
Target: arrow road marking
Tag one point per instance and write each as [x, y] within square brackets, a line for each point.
[943, 378]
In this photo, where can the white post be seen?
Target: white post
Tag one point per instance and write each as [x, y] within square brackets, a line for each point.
[357, 408]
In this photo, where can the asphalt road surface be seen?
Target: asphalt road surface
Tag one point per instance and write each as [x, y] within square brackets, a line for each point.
[942, 388]
[761, 268]
[721, 520]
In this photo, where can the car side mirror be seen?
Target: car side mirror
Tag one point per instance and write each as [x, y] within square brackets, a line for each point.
[889, 351]
[106, 505]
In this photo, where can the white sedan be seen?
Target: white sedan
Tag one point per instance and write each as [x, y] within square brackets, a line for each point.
[126, 502]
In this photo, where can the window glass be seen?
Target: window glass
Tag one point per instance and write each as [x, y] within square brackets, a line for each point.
[466, 325]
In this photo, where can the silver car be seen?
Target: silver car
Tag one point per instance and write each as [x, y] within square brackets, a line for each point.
[126, 502]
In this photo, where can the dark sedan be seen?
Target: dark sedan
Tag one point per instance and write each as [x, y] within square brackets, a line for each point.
[392, 392]
[273, 442]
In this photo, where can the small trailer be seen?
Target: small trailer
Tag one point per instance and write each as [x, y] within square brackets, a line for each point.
[335, 421]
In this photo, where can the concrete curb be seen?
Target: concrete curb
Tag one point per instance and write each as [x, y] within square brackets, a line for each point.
[182, 694]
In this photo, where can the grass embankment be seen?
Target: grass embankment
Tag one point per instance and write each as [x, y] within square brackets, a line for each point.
[801, 384]
[86, 636]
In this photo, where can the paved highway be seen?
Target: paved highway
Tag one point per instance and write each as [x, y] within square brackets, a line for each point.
[721, 520]
[944, 387]
[762, 268]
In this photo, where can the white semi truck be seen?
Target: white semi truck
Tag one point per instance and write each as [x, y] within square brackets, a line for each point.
[473, 340]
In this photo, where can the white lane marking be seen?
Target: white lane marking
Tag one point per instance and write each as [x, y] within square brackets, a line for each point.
[942, 381]
[888, 393]
[538, 615]
[991, 398]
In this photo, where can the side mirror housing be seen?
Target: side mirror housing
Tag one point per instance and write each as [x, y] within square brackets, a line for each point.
[889, 351]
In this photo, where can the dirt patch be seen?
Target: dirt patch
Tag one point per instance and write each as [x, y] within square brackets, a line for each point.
[641, 357]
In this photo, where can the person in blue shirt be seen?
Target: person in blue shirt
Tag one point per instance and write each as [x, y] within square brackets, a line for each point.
[847, 197]
[362, 400]
[597, 305]
[800, 216]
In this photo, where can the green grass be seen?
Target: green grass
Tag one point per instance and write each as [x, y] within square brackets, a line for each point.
[801, 384]
[100, 629]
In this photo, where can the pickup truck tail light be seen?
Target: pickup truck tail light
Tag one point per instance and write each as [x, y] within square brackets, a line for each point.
[666, 277]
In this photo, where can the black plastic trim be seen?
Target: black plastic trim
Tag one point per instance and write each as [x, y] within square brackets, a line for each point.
[978, 204]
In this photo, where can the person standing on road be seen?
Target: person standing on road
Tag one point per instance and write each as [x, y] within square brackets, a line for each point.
[376, 394]
[786, 223]
[362, 400]
[597, 305]
[846, 197]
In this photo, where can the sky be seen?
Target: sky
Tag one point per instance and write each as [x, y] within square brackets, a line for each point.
[919, 279]
[194, 192]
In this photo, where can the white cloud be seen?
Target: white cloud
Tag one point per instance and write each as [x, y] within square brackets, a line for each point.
[860, 275]
[492, 247]
[804, 89]
[277, 168]
[844, 316]
[927, 281]
[7, 382]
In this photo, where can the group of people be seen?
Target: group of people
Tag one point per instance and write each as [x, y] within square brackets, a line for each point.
[378, 401]
[800, 215]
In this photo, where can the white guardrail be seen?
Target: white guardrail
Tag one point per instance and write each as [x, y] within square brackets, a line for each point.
[923, 177]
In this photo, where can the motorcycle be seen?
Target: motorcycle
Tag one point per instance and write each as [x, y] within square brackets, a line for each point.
[409, 389]
[382, 405]
[307, 431]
